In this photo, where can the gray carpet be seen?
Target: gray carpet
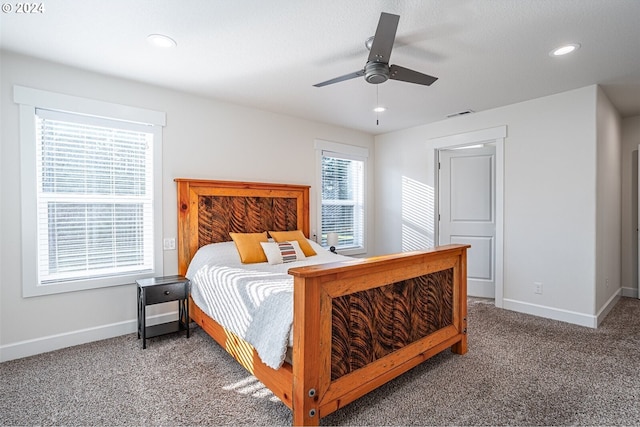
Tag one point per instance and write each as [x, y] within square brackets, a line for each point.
[520, 370]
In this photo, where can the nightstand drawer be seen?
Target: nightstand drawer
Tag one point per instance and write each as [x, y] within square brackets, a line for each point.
[165, 293]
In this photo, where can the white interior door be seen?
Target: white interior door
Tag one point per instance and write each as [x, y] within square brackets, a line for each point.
[467, 211]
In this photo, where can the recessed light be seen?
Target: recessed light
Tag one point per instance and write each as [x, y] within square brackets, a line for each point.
[379, 109]
[161, 40]
[565, 49]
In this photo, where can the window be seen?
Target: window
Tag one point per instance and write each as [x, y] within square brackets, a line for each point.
[94, 197]
[93, 186]
[342, 200]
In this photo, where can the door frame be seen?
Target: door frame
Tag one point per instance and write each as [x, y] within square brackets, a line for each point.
[497, 136]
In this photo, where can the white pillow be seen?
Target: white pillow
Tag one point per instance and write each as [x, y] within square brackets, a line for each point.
[278, 253]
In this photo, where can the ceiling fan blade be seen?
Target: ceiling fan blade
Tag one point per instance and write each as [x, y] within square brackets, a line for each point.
[397, 72]
[341, 78]
[384, 38]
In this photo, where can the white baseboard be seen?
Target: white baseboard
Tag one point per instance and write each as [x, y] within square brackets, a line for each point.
[630, 292]
[68, 339]
[568, 316]
[606, 308]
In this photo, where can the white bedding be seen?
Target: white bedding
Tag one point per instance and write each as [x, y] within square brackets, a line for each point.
[254, 301]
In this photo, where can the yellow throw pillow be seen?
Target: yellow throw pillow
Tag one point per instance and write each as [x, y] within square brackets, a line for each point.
[248, 246]
[297, 235]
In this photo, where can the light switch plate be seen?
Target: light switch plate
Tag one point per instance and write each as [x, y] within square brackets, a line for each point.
[169, 244]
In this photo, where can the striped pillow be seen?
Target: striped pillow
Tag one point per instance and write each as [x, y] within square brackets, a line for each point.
[278, 253]
[287, 251]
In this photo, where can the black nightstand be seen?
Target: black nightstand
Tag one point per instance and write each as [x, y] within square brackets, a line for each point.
[157, 290]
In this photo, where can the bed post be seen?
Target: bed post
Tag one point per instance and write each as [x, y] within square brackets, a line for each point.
[184, 245]
[461, 300]
[308, 366]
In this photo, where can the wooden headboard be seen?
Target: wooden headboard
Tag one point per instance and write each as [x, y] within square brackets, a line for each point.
[209, 210]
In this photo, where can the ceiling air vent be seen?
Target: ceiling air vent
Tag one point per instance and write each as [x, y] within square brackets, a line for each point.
[461, 113]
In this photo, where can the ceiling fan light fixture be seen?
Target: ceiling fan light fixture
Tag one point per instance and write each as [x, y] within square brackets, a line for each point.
[565, 49]
[160, 40]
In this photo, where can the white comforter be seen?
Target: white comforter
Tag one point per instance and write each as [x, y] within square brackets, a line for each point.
[254, 301]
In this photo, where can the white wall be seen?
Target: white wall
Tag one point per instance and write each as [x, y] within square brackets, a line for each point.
[629, 243]
[608, 204]
[549, 197]
[203, 138]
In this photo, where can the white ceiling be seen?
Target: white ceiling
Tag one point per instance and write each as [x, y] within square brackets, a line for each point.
[268, 54]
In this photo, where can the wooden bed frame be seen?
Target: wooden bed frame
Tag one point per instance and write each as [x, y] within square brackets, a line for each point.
[357, 324]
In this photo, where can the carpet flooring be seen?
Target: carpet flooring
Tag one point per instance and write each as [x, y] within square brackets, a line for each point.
[520, 370]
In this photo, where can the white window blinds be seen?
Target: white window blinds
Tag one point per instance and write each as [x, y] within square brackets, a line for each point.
[343, 199]
[94, 197]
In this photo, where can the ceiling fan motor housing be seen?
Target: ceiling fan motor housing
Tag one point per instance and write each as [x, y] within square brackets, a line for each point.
[376, 72]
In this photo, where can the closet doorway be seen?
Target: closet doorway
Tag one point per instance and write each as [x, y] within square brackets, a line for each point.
[469, 174]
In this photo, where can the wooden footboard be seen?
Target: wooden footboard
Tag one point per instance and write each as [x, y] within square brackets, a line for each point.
[359, 324]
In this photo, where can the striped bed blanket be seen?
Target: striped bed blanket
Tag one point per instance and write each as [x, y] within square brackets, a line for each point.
[254, 301]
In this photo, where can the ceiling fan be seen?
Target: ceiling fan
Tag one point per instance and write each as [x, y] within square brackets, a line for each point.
[377, 69]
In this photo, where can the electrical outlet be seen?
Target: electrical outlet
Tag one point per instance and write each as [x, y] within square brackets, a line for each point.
[169, 244]
[537, 288]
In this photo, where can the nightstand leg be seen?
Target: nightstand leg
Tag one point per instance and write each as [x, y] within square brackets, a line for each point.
[186, 316]
[183, 314]
[139, 308]
[143, 318]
